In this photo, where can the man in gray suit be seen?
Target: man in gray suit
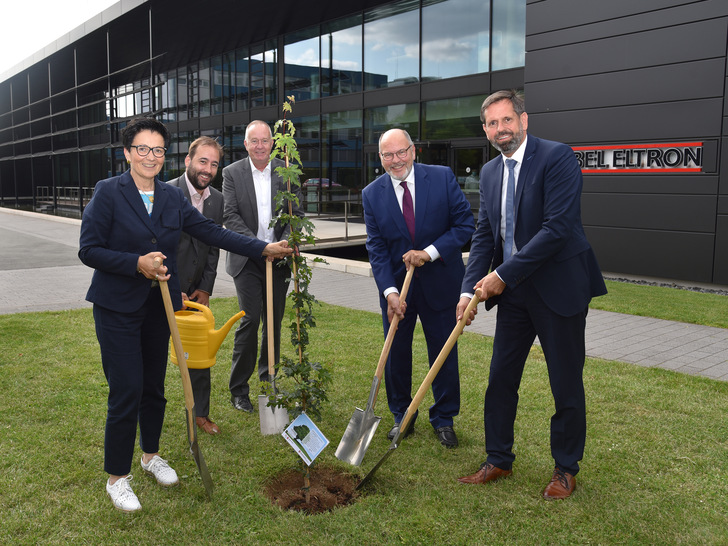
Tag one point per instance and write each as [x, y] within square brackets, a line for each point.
[197, 262]
[249, 187]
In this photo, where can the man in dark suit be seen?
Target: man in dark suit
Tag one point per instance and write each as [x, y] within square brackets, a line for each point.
[249, 187]
[196, 261]
[530, 256]
[424, 223]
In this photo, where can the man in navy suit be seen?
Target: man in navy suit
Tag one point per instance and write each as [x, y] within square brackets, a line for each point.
[537, 265]
[440, 224]
[196, 261]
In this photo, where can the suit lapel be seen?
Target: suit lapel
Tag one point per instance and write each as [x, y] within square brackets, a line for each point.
[249, 195]
[131, 194]
[422, 191]
[523, 173]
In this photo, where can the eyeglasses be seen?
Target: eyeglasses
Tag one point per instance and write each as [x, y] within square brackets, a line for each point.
[143, 150]
[255, 141]
[402, 154]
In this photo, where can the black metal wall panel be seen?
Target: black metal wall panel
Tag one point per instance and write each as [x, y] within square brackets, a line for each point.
[674, 82]
[663, 254]
[690, 213]
[625, 72]
[720, 273]
[683, 43]
[660, 122]
[557, 22]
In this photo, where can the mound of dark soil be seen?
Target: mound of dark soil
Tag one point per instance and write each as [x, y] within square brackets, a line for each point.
[329, 488]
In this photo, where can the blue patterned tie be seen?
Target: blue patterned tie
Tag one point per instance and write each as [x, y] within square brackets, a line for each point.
[510, 192]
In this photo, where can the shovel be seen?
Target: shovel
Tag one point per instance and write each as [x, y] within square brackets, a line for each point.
[272, 420]
[412, 409]
[187, 388]
[363, 424]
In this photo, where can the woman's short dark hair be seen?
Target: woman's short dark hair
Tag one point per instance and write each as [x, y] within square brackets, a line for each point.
[137, 125]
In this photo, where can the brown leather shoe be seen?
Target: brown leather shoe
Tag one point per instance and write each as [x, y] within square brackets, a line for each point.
[487, 473]
[561, 486]
[206, 424]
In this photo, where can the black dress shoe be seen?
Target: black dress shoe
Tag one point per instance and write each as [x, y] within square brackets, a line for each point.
[395, 429]
[447, 437]
[242, 403]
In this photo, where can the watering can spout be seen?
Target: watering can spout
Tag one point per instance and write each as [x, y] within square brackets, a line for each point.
[199, 338]
[218, 336]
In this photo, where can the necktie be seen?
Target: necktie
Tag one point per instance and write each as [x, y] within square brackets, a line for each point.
[408, 210]
[510, 192]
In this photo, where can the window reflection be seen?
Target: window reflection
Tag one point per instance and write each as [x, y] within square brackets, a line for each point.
[392, 45]
[263, 66]
[402, 116]
[455, 38]
[341, 56]
[301, 55]
[509, 34]
[452, 118]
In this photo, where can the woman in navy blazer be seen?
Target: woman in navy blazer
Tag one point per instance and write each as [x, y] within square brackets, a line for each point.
[131, 220]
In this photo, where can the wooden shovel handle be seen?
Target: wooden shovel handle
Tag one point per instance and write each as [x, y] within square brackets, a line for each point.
[393, 326]
[181, 358]
[269, 318]
[439, 361]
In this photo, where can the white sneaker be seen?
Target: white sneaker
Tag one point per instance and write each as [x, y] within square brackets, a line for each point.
[122, 496]
[159, 468]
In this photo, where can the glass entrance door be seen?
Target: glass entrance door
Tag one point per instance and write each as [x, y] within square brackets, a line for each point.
[466, 164]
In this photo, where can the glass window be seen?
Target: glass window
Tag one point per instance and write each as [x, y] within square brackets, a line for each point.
[402, 116]
[193, 91]
[217, 85]
[182, 93]
[341, 153]
[203, 88]
[455, 38]
[509, 34]
[234, 143]
[263, 63]
[301, 54]
[241, 81]
[392, 45]
[228, 83]
[452, 118]
[341, 56]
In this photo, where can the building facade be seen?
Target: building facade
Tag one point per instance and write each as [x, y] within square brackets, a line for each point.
[637, 88]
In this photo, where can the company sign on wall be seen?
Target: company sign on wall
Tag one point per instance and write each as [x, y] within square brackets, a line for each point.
[673, 157]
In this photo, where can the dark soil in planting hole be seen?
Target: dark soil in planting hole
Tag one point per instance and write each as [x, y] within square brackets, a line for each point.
[329, 488]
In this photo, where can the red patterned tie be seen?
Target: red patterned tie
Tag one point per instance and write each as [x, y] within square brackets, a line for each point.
[408, 210]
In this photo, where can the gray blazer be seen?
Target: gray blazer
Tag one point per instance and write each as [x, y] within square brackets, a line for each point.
[241, 207]
[196, 261]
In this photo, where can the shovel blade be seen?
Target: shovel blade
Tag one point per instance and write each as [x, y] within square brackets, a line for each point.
[357, 437]
[272, 420]
[368, 477]
[197, 455]
[202, 467]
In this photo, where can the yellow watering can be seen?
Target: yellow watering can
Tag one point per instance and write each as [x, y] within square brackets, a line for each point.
[199, 338]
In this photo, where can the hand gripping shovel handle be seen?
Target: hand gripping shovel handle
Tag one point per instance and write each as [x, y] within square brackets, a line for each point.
[426, 383]
[186, 386]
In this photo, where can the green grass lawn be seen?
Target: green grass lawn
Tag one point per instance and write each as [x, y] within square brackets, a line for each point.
[655, 469]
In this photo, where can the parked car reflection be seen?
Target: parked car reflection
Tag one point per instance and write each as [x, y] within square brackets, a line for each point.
[323, 183]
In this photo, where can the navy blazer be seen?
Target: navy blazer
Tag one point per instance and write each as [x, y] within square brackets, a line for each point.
[442, 218]
[552, 248]
[116, 229]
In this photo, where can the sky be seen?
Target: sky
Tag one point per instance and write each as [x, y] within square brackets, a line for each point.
[30, 25]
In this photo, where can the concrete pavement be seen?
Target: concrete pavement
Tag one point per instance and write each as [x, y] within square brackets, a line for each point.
[40, 271]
